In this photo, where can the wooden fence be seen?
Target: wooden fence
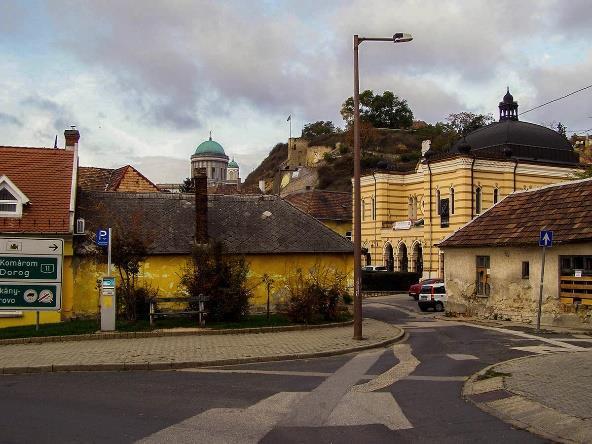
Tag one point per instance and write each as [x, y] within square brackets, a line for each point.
[575, 290]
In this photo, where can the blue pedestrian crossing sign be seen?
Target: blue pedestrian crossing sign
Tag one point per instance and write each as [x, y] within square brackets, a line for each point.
[546, 238]
[102, 237]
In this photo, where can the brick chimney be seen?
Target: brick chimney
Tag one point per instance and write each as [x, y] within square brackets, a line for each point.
[200, 183]
[72, 137]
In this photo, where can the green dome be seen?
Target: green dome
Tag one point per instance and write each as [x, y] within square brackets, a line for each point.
[232, 164]
[210, 147]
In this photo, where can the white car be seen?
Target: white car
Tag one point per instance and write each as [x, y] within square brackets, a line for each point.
[374, 268]
[432, 296]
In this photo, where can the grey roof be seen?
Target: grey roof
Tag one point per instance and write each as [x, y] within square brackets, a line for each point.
[246, 224]
[525, 140]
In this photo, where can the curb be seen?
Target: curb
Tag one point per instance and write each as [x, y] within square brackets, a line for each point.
[160, 334]
[195, 364]
[527, 418]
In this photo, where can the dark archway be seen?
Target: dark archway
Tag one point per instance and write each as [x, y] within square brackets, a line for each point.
[403, 259]
[368, 259]
[418, 258]
[389, 259]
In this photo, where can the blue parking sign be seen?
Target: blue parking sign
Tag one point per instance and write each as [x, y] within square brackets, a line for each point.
[546, 238]
[102, 237]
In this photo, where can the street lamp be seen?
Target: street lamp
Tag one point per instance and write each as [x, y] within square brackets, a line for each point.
[399, 37]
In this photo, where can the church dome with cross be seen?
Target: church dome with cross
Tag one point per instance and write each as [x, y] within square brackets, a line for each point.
[210, 155]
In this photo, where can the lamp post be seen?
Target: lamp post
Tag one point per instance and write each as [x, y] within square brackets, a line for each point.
[397, 38]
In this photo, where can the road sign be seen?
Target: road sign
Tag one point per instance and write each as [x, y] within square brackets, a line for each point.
[108, 282]
[546, 238]
[102, 237]
[31, 274]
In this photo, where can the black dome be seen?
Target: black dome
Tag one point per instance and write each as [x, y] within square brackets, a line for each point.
[526, 140]
[508, 98]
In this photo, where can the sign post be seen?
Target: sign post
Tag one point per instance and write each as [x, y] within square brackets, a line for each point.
[31, 274]
[545, 240]
[108, 301]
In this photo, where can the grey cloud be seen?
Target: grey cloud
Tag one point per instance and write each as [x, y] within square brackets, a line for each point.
[9, 119]
[41, 103]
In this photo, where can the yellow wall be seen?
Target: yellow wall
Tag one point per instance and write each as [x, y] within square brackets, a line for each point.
[391, 193]
[46, 317]
[163, 273]
[340, 227]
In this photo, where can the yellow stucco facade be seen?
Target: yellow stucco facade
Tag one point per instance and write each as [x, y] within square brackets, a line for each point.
[343, 227]
[400, 220]
[163, 273]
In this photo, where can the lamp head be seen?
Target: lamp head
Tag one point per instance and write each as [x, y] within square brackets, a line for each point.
[402, 37]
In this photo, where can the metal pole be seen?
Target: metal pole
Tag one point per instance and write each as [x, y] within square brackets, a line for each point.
[538, 326]
[357, 202]
[37, 321]
[109, 254]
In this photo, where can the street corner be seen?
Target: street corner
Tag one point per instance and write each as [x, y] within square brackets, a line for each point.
[531, 393]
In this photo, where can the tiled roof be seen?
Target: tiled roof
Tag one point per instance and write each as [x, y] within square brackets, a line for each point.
[517, 220]
[44, 175]
[246, 224]
[107, 179]
[323, 205]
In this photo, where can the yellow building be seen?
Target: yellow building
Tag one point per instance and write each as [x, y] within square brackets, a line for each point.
[405, 214]
[275, 238]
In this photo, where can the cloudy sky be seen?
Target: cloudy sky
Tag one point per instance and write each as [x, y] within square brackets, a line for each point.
[145, 81]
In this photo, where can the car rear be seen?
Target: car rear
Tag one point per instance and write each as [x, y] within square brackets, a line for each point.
[432, 296]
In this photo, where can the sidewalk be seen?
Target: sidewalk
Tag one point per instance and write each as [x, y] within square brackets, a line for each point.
[546, 394]
[191, 351]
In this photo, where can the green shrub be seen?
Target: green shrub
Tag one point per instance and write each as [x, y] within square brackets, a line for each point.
[388, 281]
[316, 296]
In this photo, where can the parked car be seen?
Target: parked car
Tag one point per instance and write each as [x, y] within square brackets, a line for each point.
[432, 296]
[415, 288]
[374, 268]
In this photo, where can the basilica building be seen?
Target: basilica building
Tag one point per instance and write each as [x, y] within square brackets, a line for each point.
[211, 156]
[405, 215]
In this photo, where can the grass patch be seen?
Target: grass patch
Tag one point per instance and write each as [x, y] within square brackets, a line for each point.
[88, 326]
[491, 373]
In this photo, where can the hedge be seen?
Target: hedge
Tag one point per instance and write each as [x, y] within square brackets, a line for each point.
[388, 281]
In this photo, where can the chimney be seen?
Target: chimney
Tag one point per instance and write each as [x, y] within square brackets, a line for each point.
[72, 137]
[200, 183]
[425, 147]
[262, 186]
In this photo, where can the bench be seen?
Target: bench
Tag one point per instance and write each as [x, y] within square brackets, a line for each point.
[200, 312]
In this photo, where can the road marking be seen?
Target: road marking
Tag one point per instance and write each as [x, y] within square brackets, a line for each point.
[436, 378]
[541, 349]
[314, 409]
[575, 339]
[461, 357]
[229, 426]
[407, 364]
[368, 408]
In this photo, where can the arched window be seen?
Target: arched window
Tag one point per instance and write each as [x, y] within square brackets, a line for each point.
[438, 202]
[495, 195]
[478, 200]
[410, 208]
[451, 200]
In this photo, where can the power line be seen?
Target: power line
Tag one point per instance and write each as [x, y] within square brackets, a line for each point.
[555, 100]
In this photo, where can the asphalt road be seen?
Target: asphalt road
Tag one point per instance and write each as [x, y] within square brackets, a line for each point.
[409, 392]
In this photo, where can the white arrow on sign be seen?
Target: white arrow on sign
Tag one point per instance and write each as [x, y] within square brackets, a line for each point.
[546, 239]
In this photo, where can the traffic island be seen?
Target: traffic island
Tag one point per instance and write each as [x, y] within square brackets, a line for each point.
[541, 393]
[174, 352]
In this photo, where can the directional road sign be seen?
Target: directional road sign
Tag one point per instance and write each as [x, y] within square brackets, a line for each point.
[102, 237]
[546, 238]
[31, 273]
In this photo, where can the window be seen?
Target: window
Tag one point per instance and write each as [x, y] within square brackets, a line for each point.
[451, 200]
[373, 202]
[348, 235]
[571, 263]
[525, 270]
[11, 199]
[363, 211]
[438, 201]
[444, 213]
[478, 200]
[495, 195]
[482, 281]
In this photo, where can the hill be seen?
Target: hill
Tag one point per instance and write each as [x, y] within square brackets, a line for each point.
[270, 165]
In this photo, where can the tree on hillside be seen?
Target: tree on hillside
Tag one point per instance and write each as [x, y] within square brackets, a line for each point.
[562, 129]
[464, 122]
[319, 128]
[384, 110]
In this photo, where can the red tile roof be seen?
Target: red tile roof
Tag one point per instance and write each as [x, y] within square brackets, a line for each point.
[565, 208]
[108, 179]
[44, 175]
[323, 205]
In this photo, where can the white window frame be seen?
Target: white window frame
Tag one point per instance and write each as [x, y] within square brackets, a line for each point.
[21, 199]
